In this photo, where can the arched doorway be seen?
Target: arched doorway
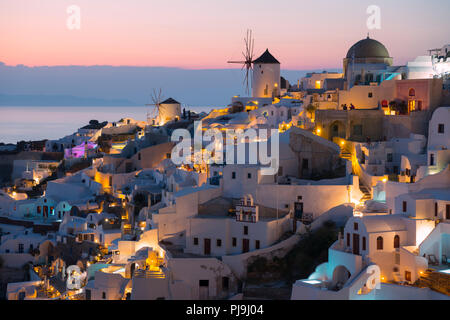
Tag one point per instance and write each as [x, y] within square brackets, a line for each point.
[337, 129]
[340, 277]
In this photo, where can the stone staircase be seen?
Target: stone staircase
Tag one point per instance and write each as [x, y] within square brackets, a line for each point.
[346, 154]
[365, 190]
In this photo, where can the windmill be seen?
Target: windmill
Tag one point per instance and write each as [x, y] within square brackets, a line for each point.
[247, 63]
[156, 98]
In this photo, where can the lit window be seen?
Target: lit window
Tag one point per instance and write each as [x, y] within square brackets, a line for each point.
[318, 84]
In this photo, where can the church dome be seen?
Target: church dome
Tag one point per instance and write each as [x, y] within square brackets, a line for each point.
[368, 48]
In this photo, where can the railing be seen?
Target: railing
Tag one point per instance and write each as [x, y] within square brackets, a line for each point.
[149, 274]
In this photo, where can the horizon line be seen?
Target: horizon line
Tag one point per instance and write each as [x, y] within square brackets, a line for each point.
[153, 66]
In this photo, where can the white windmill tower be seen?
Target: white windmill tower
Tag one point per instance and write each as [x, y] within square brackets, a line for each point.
[265, 71]
[163, 111]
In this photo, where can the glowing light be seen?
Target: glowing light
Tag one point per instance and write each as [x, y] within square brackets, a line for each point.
[311, 281]
[318, 84]
[342, 142]
[318, 130]
[384, 179]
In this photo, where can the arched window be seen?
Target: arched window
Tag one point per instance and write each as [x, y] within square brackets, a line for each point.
[380, 243]
[396, 241]
[412, 92]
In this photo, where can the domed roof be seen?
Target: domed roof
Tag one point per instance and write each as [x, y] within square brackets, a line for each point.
[368, 48]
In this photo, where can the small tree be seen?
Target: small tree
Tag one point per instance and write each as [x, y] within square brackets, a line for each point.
[310, 108]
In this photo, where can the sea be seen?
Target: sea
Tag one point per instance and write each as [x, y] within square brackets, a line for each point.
[27, 123]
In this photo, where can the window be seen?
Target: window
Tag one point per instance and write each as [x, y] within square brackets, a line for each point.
[256, 244]
[195, 241]
[412, 92]
[20, 247]
[245, 229]
[225, 283]
[249, 175]
[390, 157]
[364, 243]
[233, 175]
[435, 209]
[348, 239]
[380, 243]
[396, 241]
[404, 206]
[431, 159]
[305, 164]
[203, 283]
[103, 295]
[441, 128]
[299, 198]
[370, 95]
[139, 156]
[317, 84]
[234, 241]
[219, 242]
[355, 226]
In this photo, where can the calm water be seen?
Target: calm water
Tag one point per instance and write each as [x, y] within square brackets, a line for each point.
[36, 123]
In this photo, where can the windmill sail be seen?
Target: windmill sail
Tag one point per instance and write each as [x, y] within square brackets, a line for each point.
[247, 63]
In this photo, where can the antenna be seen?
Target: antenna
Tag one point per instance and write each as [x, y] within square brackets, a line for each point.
[248, 58]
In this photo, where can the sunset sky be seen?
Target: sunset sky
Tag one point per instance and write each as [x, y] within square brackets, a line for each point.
[201, 34]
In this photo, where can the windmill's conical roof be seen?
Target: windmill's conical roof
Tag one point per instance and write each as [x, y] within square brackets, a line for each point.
[170, 101]
[266, 57]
